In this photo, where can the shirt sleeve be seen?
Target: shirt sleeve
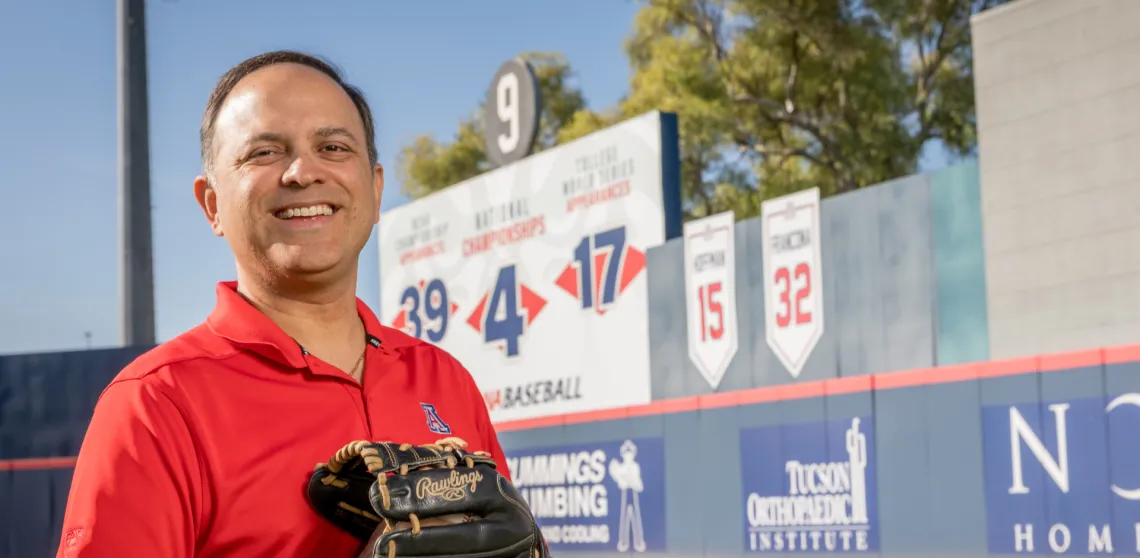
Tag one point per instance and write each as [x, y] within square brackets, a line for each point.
[491, 438]
[137, 483]
[488, 436]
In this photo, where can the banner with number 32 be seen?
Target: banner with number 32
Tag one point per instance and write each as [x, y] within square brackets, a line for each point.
[793, 294]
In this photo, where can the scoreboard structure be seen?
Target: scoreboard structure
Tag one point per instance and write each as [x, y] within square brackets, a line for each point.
[533, 275]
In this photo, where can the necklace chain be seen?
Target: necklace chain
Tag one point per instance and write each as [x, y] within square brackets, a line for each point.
[358, 361]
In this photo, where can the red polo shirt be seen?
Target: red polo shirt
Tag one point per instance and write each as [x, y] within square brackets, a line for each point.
[204, 445]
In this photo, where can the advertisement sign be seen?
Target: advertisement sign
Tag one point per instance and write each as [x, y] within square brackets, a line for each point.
[533, 275]
[1063, 477]
[605, 496]
[710, 294]
[810, 487]
[793, 293]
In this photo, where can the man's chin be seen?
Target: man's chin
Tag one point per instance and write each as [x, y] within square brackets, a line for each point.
[307, 266]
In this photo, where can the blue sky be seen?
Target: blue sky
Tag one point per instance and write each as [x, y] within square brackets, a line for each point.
[58, 147]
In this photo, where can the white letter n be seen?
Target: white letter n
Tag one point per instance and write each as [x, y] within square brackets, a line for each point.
[1020, 431]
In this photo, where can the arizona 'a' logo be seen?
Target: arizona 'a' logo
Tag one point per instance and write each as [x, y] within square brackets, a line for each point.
[435, 424]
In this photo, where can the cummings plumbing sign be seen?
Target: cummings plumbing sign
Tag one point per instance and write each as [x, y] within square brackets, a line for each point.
[810, 487]
[605, 496]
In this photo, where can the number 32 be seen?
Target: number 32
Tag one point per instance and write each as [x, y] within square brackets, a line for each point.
[784, 283]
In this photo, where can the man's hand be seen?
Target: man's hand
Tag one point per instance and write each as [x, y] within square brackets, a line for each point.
[426, 500]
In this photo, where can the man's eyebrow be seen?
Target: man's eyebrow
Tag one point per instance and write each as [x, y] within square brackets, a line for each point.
[330, 131]
[266, 136]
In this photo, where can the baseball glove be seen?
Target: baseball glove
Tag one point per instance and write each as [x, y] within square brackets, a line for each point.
[431, 500]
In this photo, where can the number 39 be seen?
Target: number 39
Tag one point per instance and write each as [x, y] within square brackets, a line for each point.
[787, 308]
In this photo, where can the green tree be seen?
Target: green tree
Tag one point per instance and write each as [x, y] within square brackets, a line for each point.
[427, 166]
[773, 96]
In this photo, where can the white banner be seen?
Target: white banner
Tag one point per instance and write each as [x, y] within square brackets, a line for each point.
[533, 275]
[710, 294]
[793, 293]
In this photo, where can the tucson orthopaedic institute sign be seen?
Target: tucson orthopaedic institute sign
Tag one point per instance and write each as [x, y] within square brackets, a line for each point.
[801, 497]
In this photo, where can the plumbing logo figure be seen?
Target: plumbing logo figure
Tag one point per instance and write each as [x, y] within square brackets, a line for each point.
[627, 475]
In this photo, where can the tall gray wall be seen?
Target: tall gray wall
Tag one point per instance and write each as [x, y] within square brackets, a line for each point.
[903, 284]
[1058, 108]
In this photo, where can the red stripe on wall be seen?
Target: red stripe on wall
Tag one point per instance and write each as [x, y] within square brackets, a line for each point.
[803, 390]
[37, 463]
[851, 384]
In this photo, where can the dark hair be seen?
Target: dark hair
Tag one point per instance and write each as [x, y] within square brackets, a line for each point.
[235, 74]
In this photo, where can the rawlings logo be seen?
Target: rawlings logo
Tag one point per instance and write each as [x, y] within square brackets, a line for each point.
[452, 488]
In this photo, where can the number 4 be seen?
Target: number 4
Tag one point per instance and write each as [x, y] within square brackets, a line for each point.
[784, 316]
[503, 320]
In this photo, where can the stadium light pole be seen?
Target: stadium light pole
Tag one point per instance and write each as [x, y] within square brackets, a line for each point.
[136, 272]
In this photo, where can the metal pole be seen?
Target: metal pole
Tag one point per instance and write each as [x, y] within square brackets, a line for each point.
[136, 273]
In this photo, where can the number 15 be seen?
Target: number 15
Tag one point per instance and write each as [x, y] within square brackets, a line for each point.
[709, 299]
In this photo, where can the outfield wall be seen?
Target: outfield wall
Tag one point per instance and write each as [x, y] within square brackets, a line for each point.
[46, 401]
[939, 466]
[939, 462]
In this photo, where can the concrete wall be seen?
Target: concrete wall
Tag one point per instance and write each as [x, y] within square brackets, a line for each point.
[937, 449]
[939, 468]
[1059, 125]
[904, 288]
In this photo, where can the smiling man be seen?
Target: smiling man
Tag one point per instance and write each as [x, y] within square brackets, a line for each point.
[204, 445]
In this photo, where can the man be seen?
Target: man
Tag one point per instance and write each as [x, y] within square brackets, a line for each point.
[204, 445]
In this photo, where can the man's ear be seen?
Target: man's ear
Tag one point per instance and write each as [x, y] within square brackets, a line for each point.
[378, 189]
[208, 201]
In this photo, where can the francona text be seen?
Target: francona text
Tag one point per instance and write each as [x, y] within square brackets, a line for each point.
[511, 234]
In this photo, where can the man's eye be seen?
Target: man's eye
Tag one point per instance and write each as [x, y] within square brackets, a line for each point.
[335, 148]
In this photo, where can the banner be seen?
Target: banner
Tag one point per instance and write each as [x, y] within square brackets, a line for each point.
[810, 487]
[793, 287]
[605, 496]
[533, 275]
[1063, 477]
[710, 294]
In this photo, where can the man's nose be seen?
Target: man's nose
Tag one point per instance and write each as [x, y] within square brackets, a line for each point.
[303, 171]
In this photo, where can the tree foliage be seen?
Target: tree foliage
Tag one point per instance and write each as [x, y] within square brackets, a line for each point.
[773, 96]
[427, 166]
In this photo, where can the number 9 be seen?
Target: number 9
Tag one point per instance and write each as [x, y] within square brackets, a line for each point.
[436, 309]
[508, 101]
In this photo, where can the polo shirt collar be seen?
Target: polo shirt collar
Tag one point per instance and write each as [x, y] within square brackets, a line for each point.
[238, 321]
